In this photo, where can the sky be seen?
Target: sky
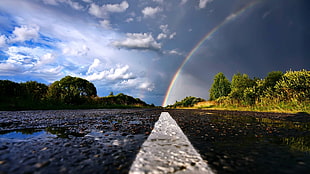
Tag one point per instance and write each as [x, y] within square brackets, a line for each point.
[157, 50]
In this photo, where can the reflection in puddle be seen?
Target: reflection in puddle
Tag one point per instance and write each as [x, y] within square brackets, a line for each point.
[23, 134]
[49, 132]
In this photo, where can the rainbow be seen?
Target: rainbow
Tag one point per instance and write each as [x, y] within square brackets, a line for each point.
[198, 45]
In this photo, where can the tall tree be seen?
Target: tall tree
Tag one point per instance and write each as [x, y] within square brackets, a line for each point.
[239, 83]
[71, 90]
[272, 79]
[220, 87]
[9, 90]
[34, 91]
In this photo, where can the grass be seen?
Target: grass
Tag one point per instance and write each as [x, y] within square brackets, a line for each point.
[279, 108]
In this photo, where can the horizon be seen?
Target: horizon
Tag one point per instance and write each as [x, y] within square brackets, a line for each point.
[158, 51]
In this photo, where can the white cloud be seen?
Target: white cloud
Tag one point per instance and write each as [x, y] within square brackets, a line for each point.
[93, 66]
[165, 33]
[24, 33]
[150, 11]
[159, 1]
[105, 24]
[97, 11]
[138, 83]
[231, 16]
[164, 28]
[113, 74]
[174, 52]
[161, 36]
[88, 1]
[147, 86]
[117, 8]
[203, 3]
[10, 69]
[2, 40]
[102, 11]
[144, 41]
[46, 59]
[183, 2]
[51, 2]
[129, 20]
[172, 35]
[74, 49]
[74, 5]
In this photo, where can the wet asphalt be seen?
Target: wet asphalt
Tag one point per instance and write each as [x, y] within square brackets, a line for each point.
[73, 141]
[107, 141]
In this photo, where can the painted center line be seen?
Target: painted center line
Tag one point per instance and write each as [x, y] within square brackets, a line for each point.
[167, 150]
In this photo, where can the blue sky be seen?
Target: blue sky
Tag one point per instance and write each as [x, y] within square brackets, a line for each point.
[136, 46]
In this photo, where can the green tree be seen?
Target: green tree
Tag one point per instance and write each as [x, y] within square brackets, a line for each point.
[220, 87]
[34, 91]
[239, 83]
[9, 89]
[71, 90]
[272, 79]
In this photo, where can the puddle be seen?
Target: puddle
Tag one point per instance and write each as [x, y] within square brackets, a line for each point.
[50, 132]
[24, 134]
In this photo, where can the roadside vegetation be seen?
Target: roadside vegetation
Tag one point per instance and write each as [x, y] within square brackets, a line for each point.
[67, 93]
[277, 92]
[186, 102]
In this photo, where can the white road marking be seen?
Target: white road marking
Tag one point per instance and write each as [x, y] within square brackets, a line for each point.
[167, 150]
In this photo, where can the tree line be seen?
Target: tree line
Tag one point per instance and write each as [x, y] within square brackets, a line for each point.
[291, 88]
[69, 92]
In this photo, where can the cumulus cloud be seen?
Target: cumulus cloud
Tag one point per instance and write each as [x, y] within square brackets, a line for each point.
[105, 24]
[45, 59]
[2, 40]
[150, 11]
[25, 33]
[93, 66]
[172, 35]
[102, 11]
[164, 28]
[129, 20]
[97, 71]
[116, 8]
[203, 3]
[138, 83]
[174, 52]
[161, 36]
[142, 41]
[35, 62]
[118, 73]
[165, 33]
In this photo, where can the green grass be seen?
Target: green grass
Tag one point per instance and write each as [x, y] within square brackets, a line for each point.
[280, 107]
